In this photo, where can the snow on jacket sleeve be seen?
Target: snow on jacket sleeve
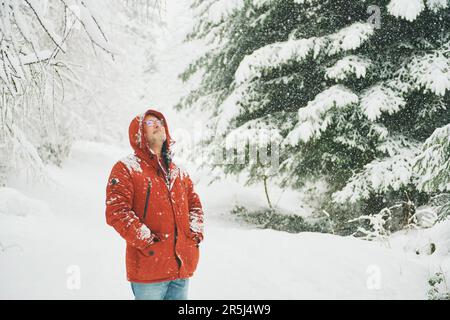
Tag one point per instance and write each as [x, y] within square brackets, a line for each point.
[119, 214]
[195, 210]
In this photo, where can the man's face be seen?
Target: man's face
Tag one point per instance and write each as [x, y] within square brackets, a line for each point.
[154, 130]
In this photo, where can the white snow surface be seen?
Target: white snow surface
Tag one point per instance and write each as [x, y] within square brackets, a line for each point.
[249, 263]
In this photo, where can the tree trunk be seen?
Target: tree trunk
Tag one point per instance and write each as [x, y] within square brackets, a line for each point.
[267, 193]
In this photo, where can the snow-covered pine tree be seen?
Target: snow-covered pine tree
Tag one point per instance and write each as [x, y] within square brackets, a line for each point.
[353, 88]
[233, 30]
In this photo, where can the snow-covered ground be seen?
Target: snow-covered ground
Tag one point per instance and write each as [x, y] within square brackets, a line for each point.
[55, 243]
[57, 232]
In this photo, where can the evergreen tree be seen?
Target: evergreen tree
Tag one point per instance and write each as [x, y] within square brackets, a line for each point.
[433, 163]
[352, 89]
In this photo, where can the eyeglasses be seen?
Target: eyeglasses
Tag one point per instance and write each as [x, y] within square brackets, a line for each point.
[151, 122]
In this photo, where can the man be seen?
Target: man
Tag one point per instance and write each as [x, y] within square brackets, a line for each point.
[152, 204]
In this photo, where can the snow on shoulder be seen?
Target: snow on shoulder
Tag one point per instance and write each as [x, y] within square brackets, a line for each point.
[182, 171]
[132, 163]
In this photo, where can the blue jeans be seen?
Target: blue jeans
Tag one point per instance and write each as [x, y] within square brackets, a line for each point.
[165, 290]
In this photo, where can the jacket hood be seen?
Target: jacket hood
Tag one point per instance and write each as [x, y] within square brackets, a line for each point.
[137, 138]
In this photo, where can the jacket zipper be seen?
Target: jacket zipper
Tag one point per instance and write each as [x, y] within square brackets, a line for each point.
[147, 198]
[179, 261]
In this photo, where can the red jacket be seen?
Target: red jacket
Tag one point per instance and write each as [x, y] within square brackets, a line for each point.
[144, 207]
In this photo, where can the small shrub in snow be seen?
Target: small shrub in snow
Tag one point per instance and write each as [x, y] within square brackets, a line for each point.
[55, 151]
[439, 289]
[271, 219]
[402, 215]
[376, 228]
[14, 203]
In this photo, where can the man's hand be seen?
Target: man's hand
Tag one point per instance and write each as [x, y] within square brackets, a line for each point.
[148, 251]
[154, 238]
[198, 237]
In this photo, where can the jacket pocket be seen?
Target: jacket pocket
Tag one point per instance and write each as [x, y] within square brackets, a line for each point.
[153, 250]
